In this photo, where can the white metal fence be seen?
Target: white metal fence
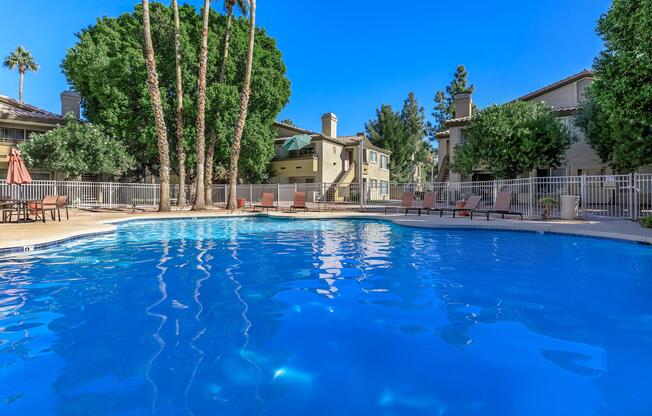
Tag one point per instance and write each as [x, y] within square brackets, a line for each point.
[617, 196]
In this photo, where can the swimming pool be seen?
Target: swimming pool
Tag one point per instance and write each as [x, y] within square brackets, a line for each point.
[255, 316]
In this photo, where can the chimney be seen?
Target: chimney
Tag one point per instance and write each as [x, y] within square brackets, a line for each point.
[329, 125]
[463, 105]
[70, 102]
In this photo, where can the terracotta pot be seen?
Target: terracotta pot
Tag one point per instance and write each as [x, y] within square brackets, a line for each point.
[241, 203]
[460, 204]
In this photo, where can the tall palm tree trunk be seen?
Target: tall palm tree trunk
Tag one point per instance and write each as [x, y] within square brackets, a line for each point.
[200, 197]
[21, 77]
[213, 137]
[155, 94]
[181, 151]
[244, 106]
[208, 177]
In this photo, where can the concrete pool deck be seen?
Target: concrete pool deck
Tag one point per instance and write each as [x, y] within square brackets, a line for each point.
[16, 237]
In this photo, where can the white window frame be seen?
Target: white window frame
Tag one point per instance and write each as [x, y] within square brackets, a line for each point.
[373, 156]
[384, 187]
[385, 165]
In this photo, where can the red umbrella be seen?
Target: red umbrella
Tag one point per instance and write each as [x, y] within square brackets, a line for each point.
[17, 173]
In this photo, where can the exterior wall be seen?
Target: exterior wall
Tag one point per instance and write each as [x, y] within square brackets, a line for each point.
[7, 144]
[373, 171]
[454, 140]
[581, 159]
[566, 96]
[332, 158]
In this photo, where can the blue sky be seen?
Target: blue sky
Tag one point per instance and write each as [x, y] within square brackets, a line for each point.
[349, 57]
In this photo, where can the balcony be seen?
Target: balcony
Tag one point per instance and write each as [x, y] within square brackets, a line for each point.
[301, 165]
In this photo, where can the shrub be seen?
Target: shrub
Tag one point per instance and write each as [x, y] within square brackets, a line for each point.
[646, 222]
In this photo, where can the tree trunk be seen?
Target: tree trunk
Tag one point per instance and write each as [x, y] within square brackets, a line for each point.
[210, 152]
[200, 197]
[181, 151]
[244, 105]
[161, 131]
[21, 77]
[208, 177]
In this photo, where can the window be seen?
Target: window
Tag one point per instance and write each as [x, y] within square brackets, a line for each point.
[384, 162]
[374, 184]
[384, 187]
[7, 133]
[373, 156]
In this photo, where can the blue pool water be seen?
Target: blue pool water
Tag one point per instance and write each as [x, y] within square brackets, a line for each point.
[288, 317]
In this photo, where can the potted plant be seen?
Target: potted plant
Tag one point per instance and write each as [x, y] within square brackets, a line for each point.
[547, 203]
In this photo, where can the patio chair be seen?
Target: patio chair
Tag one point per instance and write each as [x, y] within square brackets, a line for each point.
[47, 204]
[7, 209]
[470, 206]
[62, 202]
[503, 206]
[427, 206]
[299, 202]
[406, 202]
[267, 202]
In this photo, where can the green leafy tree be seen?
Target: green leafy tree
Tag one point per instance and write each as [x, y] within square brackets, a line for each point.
[107, 67]
[512, 139]
[444, 108]
[76, 148]
[22, 59]
[617, 118]
[403, 133]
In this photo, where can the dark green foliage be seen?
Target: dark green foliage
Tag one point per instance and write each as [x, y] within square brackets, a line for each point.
[512, 139]
[444, 108]
[617, 119]
[646, 222]
[108, 69]
[76, 148]
[403, 133]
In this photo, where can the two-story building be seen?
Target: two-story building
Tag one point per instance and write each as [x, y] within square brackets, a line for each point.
[332, 160]
[564, 97]
[19, 120]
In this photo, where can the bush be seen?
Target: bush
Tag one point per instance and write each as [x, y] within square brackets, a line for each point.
[646, 222]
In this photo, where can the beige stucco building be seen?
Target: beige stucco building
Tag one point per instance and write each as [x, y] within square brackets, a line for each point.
[331, 159]
[564, 97]
[18, 121]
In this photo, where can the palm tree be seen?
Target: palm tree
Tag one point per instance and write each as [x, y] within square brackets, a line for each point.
[244, 105]
[229, 7]
[200, 197]
[23, 59]
[181, 151]
[155, 95]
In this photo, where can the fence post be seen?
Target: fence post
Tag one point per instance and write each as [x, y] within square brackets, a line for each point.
[583, 193]
[631, 191]
[251, 193]
[495, 191]
[531, 198]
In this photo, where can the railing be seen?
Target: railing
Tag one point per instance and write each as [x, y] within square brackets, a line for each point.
[616, 196]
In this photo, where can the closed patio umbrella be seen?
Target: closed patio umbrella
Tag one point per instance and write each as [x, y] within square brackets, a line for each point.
[17, 173]
[297, 142]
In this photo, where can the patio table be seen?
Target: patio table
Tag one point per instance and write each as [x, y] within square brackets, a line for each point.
[22, 205]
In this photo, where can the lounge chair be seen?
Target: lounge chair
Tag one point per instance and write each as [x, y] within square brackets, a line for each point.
[470, 206]
[503, 206]
[299, 202]
[406, 202]
[47, 204]
[427, 206]
[267, 202]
